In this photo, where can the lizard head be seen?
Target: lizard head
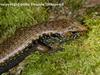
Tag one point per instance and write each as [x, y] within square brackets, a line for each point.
[71, 27]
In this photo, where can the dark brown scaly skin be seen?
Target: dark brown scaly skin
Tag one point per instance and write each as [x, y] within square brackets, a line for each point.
[24, 42]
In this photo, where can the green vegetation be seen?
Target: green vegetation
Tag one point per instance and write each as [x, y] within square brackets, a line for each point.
[12, 18]
[80, 57]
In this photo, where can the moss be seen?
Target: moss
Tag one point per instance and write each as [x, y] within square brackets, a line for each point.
[17, 17]
[80, 57]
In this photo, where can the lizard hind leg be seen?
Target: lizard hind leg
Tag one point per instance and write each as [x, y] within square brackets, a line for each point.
[45, 49]
[50, 43]
[42, 48]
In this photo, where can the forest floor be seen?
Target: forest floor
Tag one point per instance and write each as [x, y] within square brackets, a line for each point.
[80, 57]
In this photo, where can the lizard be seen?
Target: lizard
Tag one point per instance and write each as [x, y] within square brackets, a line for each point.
[27, 40]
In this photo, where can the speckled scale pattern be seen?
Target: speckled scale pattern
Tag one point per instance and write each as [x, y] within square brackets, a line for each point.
[25, 36]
